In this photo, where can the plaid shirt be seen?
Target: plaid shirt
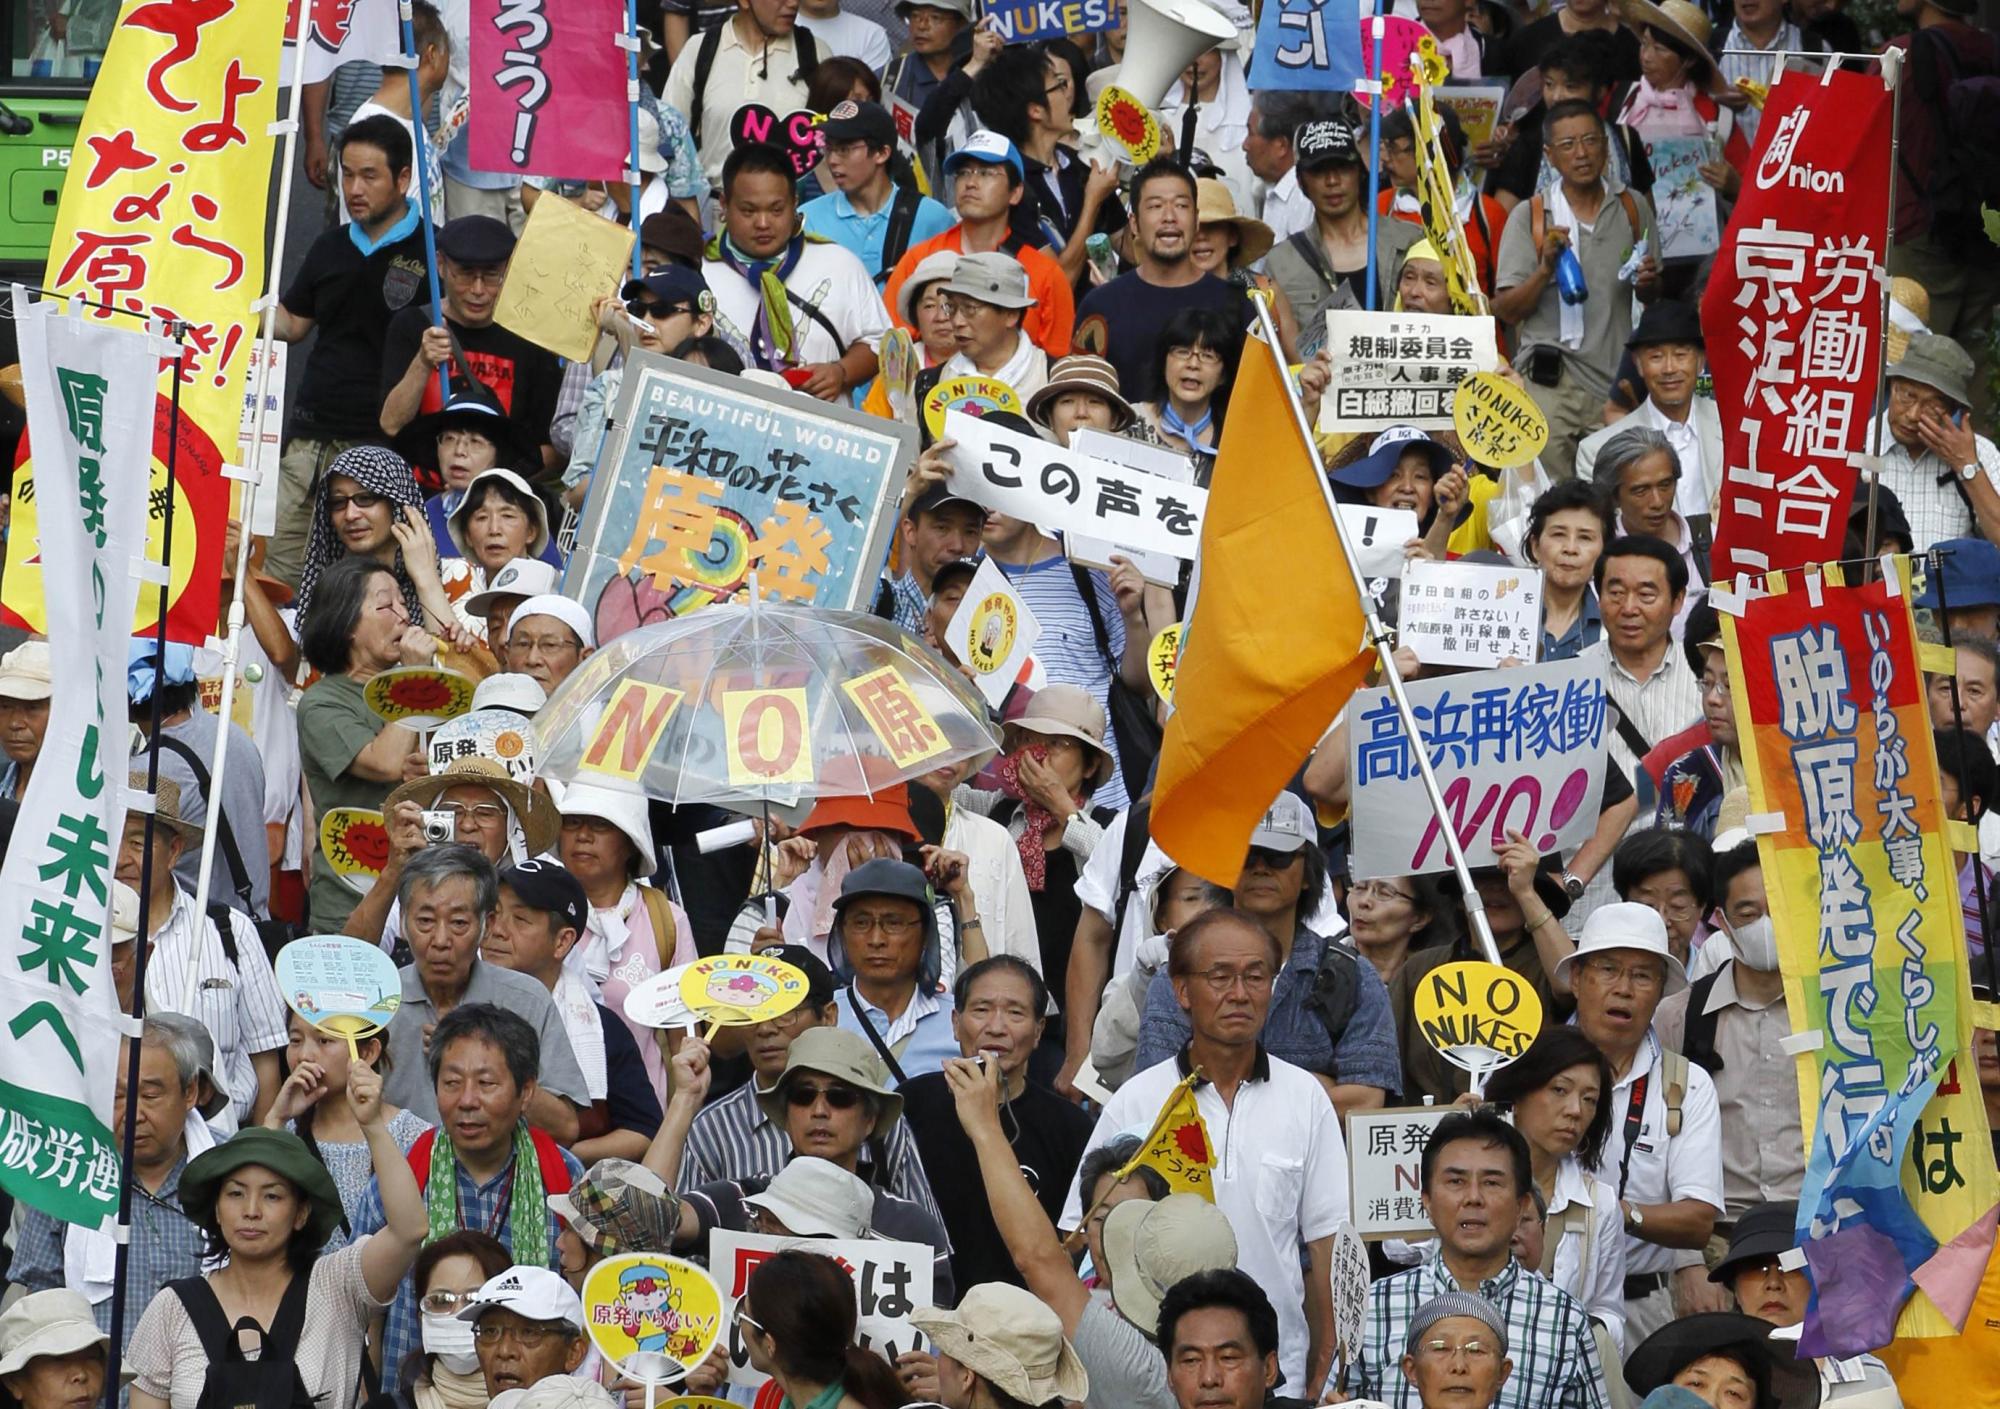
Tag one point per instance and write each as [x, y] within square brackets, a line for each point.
[910, 603]
[1548, 1338]
[482, 1206]
[166, 1246]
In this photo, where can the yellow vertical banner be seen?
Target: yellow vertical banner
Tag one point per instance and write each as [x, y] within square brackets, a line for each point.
[162, 215]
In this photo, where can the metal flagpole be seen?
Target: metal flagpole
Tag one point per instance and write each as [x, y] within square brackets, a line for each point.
[1378, 635]
[143, 940]
[421, 146]
[1892, 74]
[1376, 28]
[232, 647]
[631, 42]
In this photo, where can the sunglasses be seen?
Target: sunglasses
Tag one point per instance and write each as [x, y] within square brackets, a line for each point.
[1273, 860]
[646, 308]
[802, 1094]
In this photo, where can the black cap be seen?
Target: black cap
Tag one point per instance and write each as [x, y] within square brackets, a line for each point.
[819, 978]
[1667, 320]
[952, 571]
[1325, 143]
[674, 284]
[548, 885]
[936, 497]
[673, 233]
[476, 239]
[860, 122]
[1762, 1231]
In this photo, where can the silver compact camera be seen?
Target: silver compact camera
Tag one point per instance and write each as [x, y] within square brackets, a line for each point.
[439, 826]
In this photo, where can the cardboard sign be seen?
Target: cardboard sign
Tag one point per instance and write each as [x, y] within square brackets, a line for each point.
[974, 396]
[992, 631]
[907, 731]
[1470, 613]
[497, 735]
[890, 1281]
[566, 259]
[1479, 107]
[1377, 537]
[1127, 124]
[1400, 368]
[1498, 423]
[1350, 1293]
[419, 697]
[1515, 750]
[348, 987]
[1026, 477]
[1163, 658]
[653, 1317]
[635, 719]
[1160, 569]
[1477, 1016]
[355, 842]
[735, 990]
[1385, 1155]
[657, 1003]
[767, 739]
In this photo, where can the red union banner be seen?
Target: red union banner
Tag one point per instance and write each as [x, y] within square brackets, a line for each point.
[1793, 319]
[549, 99]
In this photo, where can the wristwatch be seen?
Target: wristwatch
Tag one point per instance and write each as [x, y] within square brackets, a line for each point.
[1635, 1215]
[1572, 885]
[1969, 470]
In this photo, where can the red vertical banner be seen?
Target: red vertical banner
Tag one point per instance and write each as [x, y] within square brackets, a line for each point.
[548, 99]
[1793, 320]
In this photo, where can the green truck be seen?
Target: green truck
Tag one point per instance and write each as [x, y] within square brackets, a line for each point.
[42, 94]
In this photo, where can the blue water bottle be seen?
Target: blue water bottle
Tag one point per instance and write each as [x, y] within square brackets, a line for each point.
[1569, 277]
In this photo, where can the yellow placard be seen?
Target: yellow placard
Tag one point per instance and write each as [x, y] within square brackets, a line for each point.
[1178, 1147]
[355, 842]
[996, 621]
[1128, 124]
[1478, 1016]
[1163, 658]
[976, 396]
[1498, 424]
[737, 989]
[651, 1316]
[630, 730]
[896, 716]
[767, 736]
[242, 704]
[565, 260]
[409, 694]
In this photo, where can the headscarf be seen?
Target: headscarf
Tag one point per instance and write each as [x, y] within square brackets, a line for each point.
[378, 470]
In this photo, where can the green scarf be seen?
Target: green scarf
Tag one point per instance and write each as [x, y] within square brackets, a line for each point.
[527, 1212]
[771, 333]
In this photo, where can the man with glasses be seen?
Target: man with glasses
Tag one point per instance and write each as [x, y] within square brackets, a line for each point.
[736, 1138]
[1665, 1152]
[1455, 1356]
[1569, 351]
[885, 932]
[1280, 1162]
[867, 212]
[473, 252]
[527, 1324]
[1475, 1183]
[547, 638]
[989, 298]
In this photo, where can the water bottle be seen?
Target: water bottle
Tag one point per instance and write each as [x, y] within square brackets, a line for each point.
[1097, 249]
[1569, 277]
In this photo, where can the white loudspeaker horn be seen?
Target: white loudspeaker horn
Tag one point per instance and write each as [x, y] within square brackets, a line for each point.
[1162, 38]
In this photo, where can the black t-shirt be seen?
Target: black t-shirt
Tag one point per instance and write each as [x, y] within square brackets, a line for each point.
[1048, 1135]
[351, 298]
[524, 378]
[1525, 50]
[1123, 320]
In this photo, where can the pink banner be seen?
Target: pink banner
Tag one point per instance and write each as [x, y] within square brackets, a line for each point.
[548, 99]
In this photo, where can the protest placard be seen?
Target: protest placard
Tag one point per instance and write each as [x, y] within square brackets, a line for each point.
[1378, 537]
[355, 842]
[1498, 423]
[566, 259]
[348, 987]
[263, 456]
[1308, 44]
[1385, 1154]
[975, 396]
[419, 697]
[735, 990]
[992, 632]
[1514, 750]
[652, 1317]
[1478, 106]
[890, 1281]
[1470, 613]
[1026, 477]
[1161, 569]
[1683, 203]
[1477, 1015]
[705, 477]
[548, 99]
[497, 735]
[1163, 658]
[1021, 21]
[1400, 368]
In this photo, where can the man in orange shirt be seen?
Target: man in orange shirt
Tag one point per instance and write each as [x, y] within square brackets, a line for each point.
[988, 181]
[1482, 216]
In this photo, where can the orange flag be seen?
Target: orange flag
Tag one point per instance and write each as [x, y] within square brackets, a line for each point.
[1276, 642]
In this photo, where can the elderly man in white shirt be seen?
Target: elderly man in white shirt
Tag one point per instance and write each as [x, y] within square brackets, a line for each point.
[1945, 475]
[1666, 347]
[1267, 150]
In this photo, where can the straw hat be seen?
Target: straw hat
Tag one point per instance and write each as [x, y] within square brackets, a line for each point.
[1215, 206]
[1909, 312]
[540, 823]
[167, 805]
[1682, 21]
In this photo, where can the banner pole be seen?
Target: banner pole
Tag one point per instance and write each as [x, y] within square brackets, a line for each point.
[232, 647]
[143, 940]
[1377, 26]
[1892, 74]
[1378, 635]
[421, 150]
[632, 112]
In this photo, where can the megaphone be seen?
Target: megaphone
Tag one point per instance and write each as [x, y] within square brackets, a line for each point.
[1162, 38]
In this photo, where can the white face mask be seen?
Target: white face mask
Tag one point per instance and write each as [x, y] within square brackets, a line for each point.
[1757, 944]
[450, 1340]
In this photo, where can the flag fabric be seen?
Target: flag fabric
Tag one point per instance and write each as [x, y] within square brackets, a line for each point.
[330, 33]
[1178, 1148]
[1275, 643]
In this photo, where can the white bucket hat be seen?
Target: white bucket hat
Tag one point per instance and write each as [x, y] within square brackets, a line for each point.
[816, 1198]
[1625, 925]
[623, 810]
[54, 1322]
[461, 517]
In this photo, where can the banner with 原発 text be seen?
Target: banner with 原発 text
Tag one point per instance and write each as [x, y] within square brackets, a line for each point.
[548, 98]
[89, 390]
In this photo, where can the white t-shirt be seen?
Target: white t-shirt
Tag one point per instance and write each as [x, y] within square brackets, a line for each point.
[1688, 1166]
[845, 36]
[827, 276]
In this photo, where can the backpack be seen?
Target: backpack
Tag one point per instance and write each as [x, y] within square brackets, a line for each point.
[704, 63]
[272, 1380]
[1698, 1040]
[1336, 991]
[1964, 175]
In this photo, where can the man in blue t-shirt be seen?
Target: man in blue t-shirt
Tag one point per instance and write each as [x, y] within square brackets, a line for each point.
[866, 211]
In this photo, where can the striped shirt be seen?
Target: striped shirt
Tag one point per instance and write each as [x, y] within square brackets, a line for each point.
[1760, 68]
[734, 1139]
[1068, 648]
[238, 1004]
[1548, 1338]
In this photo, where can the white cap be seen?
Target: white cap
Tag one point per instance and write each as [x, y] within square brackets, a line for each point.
[1625, 925]
[521, 693]
[1288, 826]
[624, 810]
[532, 1293]
[566, 610]
[556, 1392]
[124, 913]
[816, 1198]
[520, 577]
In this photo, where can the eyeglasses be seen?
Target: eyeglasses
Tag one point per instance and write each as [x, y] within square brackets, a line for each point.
[1271, 860]
[484, 813]
[1401, 147]
[751, 1321]
[445, 1303]
[1593, 143]
[646, 308]
[1471, 1350]
[935, 303]
[1221, 981]
[1609, 971]
[1061, 85]
[894, 926]
[338, 504]
[1381, 890]
[1199, 356]
[532, 1336]
[544, 645]
[801, 1094]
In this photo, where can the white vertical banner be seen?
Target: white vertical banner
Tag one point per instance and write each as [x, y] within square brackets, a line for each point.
[89, 393]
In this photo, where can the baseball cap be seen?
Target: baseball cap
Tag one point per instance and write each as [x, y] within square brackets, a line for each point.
[532, 1293]
[989, 148]
[1151, 1246]
[476, 239]
[1287, 826]
[1324, 143]
[547, 885]
[816, 1198]
[930, 501]
[860, 122]
[993, 277]
[674, 284]
[566, 610]
[520, 577]
[25, 672]
[1386, 451]
[521, 693]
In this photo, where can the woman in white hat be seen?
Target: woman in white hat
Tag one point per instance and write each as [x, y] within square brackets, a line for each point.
[635, 931]
[51, 1352]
